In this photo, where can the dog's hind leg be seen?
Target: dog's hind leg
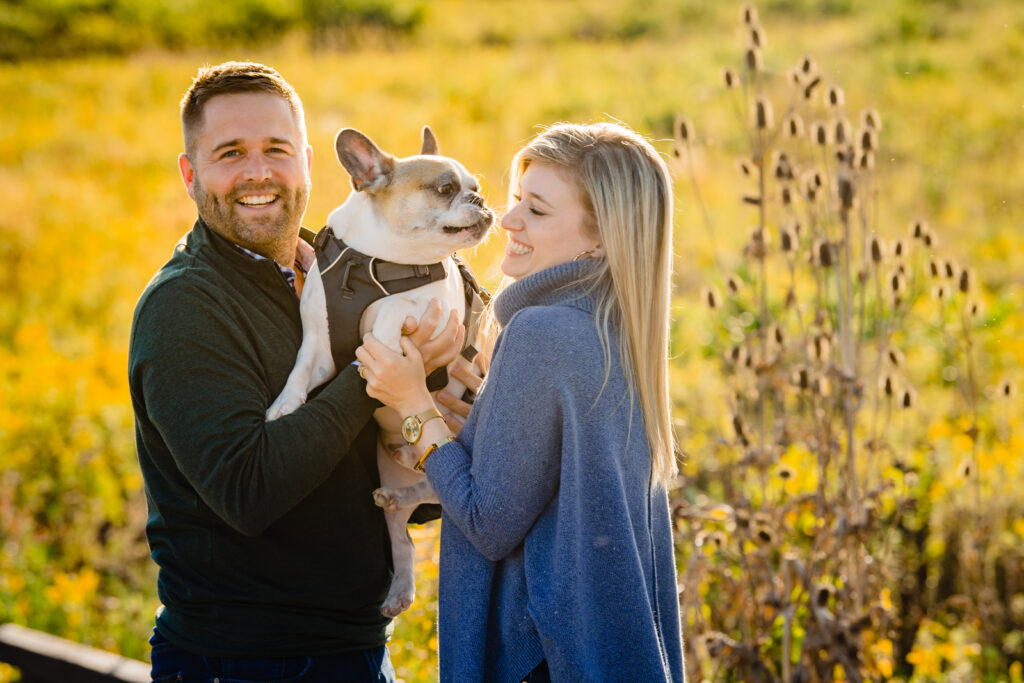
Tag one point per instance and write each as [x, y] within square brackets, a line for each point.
[403, 555]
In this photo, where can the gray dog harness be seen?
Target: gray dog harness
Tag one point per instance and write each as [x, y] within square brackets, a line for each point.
[352, 281]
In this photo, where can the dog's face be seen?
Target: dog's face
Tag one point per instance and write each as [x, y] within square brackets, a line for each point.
[418, 209]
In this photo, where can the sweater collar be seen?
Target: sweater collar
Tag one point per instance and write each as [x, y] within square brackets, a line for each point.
[558, 285]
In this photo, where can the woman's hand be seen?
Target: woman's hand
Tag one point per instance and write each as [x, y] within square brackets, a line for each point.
[395, 380]
[442, 349]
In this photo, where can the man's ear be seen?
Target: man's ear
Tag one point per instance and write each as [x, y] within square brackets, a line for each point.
[369, 167]
[188, 173]
[309, 160]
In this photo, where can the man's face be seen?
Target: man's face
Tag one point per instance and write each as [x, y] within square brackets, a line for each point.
[250, 173]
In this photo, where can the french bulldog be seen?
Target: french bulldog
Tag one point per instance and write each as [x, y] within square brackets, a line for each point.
[414, 210]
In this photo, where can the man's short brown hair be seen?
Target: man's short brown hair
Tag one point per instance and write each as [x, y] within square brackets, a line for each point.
[230, 78]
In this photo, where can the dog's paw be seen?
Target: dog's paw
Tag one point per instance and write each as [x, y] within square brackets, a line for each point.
[395, 605]
[285, 404]
[386, 499]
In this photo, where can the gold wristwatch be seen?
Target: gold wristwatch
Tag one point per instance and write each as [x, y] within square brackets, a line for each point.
[412, 426]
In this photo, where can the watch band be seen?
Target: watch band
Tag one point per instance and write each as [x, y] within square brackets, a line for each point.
[430, 449]
[412, 426]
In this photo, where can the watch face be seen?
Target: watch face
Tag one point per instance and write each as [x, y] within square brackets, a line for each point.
[411, 429]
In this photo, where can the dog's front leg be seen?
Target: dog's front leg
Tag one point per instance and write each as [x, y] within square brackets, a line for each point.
[314, 364]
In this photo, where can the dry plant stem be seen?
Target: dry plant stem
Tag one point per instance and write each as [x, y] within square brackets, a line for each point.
[692, 173]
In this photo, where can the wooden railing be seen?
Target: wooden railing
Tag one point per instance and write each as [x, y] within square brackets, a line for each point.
[43, 658]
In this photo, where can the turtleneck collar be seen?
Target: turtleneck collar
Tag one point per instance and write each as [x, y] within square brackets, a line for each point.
[552, 286]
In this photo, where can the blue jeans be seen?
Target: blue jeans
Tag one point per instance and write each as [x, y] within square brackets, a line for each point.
[174, 664]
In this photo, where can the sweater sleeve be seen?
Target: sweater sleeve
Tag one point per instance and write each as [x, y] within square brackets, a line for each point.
[203, 393]
[496, 492]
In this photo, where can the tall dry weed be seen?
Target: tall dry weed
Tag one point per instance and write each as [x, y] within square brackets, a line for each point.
[809, 560]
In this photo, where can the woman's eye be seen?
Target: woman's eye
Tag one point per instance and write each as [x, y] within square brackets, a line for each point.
[536, 212]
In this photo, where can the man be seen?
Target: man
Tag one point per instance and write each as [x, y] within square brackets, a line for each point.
[273, 558]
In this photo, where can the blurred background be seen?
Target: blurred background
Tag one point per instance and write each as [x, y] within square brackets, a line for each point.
[769, 535]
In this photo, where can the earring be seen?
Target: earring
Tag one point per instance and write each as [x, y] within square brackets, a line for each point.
[583, 254]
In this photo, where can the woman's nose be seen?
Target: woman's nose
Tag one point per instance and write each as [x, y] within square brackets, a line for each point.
[510, 221]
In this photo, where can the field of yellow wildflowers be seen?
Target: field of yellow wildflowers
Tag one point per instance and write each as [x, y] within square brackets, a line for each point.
[848, 333]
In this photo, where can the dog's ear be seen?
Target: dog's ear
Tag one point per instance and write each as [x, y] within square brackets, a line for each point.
[430, 145]
[363, 159]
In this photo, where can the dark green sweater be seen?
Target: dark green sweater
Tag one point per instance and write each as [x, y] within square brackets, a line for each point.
[266, 534]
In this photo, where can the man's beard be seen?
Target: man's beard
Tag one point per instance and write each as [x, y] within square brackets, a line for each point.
[261, 234]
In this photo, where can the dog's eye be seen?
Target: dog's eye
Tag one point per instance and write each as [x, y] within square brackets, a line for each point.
[446, 189]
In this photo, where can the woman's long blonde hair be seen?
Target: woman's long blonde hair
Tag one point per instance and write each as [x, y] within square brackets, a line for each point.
[626, 190]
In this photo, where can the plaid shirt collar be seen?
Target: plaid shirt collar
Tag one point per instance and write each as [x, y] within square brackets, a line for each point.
[288, 273]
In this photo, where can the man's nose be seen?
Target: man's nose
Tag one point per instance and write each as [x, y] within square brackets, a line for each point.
[257, 168]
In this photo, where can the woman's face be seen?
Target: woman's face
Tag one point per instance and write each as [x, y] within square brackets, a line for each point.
[546, 225]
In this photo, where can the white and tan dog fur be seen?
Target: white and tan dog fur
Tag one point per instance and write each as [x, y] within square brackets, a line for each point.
[414, 210]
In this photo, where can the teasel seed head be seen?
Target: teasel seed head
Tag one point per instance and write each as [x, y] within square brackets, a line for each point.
[908, 398]
[933, 266]
[757, 37]
[842, 131]
[1007, 389]
[895, 357]
[775, 332]
[847, 192]
[918, 228]
[877, 250]
[764, 534]
[897, 283]
[783, 169]
[749, 15]
[683, 129]
[786, 196]
[823, 253]
[754, 61]
[730, 78]
[711, 297]
[737, 425]
[763, 117]
[784, 471]
[821, 347]
[929, 239]
[738, 355]
[734, 283]
[811, 85]
[871, 119]
[807, 65]
[746, 167]
[949, 268]
[787, 240]
[794, 126]
[966, 469]
[822, 593]
[868, 140]
[899, 249]
[888, 385]
[941, 292]
[834, 96]
[973, 309]
[866, 161]
[820, 133]
[801, 378]
[965, 280]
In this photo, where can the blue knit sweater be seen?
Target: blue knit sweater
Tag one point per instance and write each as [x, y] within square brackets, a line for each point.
[553, 544]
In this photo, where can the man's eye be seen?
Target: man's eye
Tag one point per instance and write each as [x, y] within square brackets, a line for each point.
[277, 150]
[230, 153]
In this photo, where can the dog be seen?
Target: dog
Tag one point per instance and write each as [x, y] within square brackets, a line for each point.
[403, 213]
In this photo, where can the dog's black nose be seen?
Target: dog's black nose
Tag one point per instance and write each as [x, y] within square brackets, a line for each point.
[475, 199]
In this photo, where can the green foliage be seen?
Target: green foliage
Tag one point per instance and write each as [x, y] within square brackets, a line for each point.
[72, 28]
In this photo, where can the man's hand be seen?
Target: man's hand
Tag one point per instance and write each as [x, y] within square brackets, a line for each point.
[473, 377]
[442, 349]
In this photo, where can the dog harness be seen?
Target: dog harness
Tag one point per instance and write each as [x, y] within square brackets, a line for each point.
[352, 281]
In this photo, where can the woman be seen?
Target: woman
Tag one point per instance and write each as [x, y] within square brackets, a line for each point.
[556, 546]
